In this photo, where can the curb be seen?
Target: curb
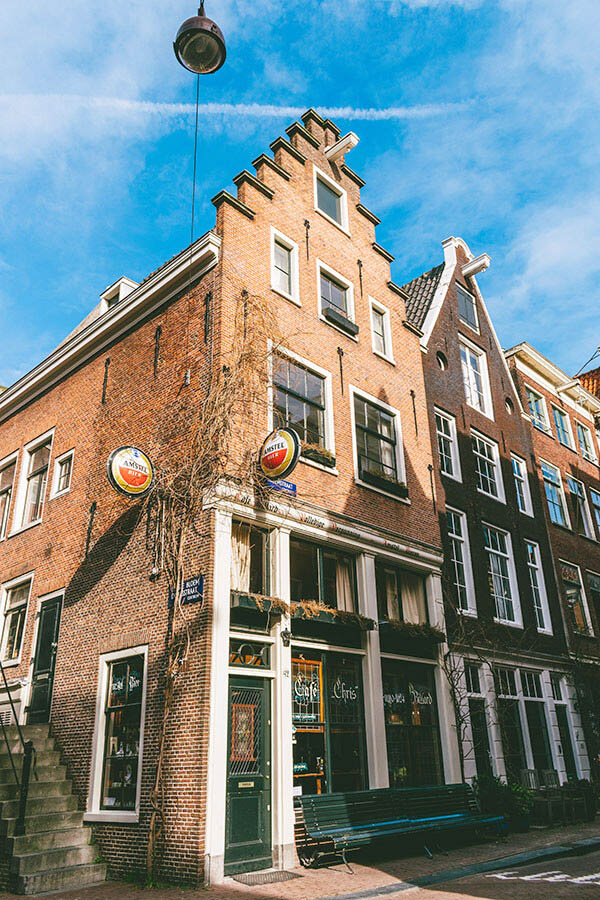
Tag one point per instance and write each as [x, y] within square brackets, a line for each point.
[578, 848]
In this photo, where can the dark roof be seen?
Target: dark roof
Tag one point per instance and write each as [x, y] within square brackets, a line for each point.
[421, 292]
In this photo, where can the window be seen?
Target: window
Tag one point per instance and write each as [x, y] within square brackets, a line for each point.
[14, 613]
[461, 559]
[576, 600]
[563, 427]
[556, 683]
[519, 467]
[537, 410]
[284, 266]
[487, 466]
[531, 684]
[594, 589]
[381, 337]
[7, 479]
[475, 378]
[63, 467]
[538, 586]
[37, 460]
[584, 436]
[299, 400]
[333, 294]
[506, 684]
[472, 679]
[595, 506]
[581, 510]
[555, 494]
[501, 572]
[445, 426]
[467, 309]
[249, 559]
[330, 199]
[322, 575]
[400, 594]
[336, 300]
[378, 442]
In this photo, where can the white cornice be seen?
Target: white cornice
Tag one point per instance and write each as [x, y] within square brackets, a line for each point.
[159, 287]
[527, 355]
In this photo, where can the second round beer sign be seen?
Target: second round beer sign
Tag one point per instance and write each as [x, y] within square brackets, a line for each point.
[279, 453]
[130, 471]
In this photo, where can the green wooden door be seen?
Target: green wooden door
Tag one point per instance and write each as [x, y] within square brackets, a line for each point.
[248, 825]
[44, 662]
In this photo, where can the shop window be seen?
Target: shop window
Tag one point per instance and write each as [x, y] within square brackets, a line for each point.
[328, 724]
[7, 479]
[249, 559]
[400, 594]
[411, 724]
[322, 575]
[122, 730]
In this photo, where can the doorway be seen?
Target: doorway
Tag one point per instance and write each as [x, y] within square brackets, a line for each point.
[44, 662]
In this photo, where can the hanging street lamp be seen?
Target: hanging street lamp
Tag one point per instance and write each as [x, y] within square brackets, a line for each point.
[200, 45]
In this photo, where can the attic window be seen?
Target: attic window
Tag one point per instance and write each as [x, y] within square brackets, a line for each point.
[467, 309]
[330, 199]
[111, 301]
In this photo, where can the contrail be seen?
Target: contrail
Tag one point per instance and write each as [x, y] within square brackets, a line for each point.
[251, 110]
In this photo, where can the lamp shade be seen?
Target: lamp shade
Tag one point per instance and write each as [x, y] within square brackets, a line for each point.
[200, 45]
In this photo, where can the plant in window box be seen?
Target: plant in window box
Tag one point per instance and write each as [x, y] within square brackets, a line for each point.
[320, 612]
[386, 482]
[259, 602]
[317, 453]
[421, 631]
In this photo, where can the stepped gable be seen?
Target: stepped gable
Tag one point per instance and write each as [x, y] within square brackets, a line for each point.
[420, 292]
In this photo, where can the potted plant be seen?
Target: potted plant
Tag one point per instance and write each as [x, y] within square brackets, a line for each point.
[520, 805]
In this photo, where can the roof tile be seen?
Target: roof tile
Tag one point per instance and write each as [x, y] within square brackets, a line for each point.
[421, 292]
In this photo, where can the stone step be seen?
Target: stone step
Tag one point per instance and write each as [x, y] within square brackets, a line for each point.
[59, 879]
[49, 840]
[50, 821]
[29, 732]
[37, 806]
[57, 858]
[44, 773]
[39, 745]
[37, 789]
[43, 758]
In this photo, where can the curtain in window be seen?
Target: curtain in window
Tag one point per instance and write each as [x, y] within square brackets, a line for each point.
[240, 557]
[343, 585]
[391, 595]
[414, 608]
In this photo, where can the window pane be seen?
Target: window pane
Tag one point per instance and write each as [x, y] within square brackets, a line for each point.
[333, 294]
[304, 571]
[466, 307]
[329, 201]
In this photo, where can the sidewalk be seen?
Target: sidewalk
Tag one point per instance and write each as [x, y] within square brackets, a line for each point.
[370, 874]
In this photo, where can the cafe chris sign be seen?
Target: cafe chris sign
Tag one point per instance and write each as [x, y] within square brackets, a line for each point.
[130, 471]
[279, 453]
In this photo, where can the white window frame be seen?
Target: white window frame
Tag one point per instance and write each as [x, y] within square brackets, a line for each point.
[485, 377]
[328, 391]
[588, 523]
[512, 578]
[27, 577]
[387, 330]
[593, 458]
[94, 812]
[4, 463]
[561, 490]
[292, 246]
[569, 430]
[400, 465]
[461, 287]
[545, 425]
[336, 188]
[524, 480]
[454, 454]
[471, 609]
[545, 608]
[327, 270]
[498, 468]
[56, 474]
[21, 492]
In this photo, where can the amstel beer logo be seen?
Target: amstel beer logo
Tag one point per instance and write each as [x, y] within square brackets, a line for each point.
[130, 471]
[279, 453]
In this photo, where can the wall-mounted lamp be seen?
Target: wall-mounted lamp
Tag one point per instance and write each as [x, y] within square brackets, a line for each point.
[286, 637]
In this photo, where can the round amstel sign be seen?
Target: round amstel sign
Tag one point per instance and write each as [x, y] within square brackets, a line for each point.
[279, 453]
[130, 471]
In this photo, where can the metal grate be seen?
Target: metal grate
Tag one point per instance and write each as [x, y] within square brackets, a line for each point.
[6, 717]
[265, 877]
[246, 725]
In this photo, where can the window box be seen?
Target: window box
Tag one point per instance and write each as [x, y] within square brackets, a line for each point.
[309, 610]
[336, 318]
[258, 602]
[319, 455]
[385, 484]
[410, 638]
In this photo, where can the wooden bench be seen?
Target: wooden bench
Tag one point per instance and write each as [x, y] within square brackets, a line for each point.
[336, 823]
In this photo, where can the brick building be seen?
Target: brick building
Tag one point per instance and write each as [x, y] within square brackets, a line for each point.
[316, 698]
[513, 686]
[565, 439]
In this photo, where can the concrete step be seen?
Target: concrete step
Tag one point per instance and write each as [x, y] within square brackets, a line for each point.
[38, 806]
[29, 732]
[43, 758]
[49, 840]
[37, 789]
[49, 821]
[59, 879]
[58, 858]
[44, 773]
[39, 745]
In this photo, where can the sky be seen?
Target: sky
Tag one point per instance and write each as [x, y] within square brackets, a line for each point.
[476, 118]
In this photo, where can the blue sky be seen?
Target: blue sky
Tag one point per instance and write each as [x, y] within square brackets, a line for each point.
[476, 119]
